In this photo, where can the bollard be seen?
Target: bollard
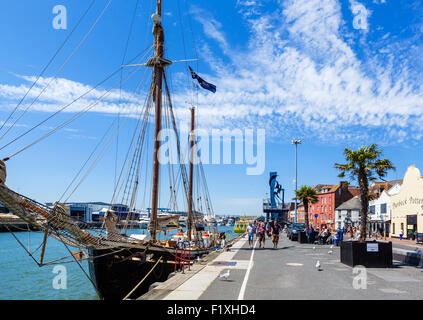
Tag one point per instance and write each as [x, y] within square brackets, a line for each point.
[189, 259]
[183, 262]
[176, 257]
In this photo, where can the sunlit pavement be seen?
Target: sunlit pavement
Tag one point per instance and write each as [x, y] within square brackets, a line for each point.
[290, 272]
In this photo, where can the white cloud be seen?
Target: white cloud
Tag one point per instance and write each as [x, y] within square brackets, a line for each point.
[311, 81]
[298, 76]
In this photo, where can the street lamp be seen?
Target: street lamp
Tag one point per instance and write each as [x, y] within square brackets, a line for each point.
[296, 142]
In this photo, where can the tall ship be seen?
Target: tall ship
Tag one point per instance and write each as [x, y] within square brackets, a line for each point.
[123, 266]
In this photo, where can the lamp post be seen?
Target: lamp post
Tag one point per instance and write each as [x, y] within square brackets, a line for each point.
[296, 143]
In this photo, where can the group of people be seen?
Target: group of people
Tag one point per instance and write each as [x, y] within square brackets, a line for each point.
[260, 229]
[353, 232]
[322, 236]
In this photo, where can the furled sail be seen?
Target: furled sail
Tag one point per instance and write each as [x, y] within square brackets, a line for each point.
[165, 223]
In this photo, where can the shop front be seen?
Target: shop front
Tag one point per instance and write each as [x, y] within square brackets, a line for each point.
[412, 227]
[407, 206]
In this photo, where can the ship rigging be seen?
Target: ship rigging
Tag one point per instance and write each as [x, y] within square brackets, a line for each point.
[122, 266]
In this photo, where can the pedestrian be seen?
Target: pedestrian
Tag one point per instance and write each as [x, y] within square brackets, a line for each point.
[339, 236]
[268, 229]
[276, 229]
[357, 233]
[250, 232]
[309, 233]
[401, 233]
[222, 239]
[261, 234]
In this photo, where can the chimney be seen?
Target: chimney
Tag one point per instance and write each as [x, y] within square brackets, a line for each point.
[344, 185]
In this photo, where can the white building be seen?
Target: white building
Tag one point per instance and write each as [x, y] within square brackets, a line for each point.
[380, 209]
[348, 213]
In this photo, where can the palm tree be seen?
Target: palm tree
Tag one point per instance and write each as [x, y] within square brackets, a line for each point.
[364, 165]
[307, 195]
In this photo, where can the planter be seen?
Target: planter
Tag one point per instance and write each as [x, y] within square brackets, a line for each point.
[302, 237]
[371, 254]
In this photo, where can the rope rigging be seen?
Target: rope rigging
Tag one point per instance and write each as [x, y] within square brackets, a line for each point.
[73, 118]
[61, 68]
[55, 221]
[48, 64]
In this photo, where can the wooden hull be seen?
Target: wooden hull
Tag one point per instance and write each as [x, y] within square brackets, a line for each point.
[116, 273]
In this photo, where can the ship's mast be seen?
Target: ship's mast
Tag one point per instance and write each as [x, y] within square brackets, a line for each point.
[191, 170]
[157, 92]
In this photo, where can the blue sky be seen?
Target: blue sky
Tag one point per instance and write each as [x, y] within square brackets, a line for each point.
[335, 73]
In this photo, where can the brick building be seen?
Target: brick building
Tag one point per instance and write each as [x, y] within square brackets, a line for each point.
[300, 212]
[330, 197]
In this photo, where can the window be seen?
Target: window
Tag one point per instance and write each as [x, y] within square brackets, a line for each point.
[383, 208]
[322, 200]
[372, 209]
[330, 208]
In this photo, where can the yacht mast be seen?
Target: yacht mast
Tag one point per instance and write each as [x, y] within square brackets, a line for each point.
[157, 94]
[191, 170]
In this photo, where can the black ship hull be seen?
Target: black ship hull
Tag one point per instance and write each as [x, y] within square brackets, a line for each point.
[116, 272]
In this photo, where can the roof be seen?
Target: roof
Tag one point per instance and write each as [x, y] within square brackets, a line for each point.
[376, 188]
[334, 187]
[354, 191]
[352, 204]
[394, 182]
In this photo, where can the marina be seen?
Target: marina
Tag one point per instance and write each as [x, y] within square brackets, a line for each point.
[22, 279]
[193, 158]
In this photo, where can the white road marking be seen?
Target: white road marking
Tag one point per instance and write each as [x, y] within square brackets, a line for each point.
[247, 274]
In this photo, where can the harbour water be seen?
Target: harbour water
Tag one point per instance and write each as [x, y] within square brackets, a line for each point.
[22, 279]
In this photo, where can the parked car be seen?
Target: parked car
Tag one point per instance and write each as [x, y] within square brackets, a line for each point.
[292, 231]
[288, 227]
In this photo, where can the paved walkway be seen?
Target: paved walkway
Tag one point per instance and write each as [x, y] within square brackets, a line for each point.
[289, 272]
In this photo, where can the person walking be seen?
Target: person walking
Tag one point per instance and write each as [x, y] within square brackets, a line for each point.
[309, 233]
[250, 233]
[268, 229]
[339, 236]
[401, 233]
[261, 234]
[276, 229]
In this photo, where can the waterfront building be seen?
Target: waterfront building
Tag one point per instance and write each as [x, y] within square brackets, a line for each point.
[407, 205]
[322, 213]
[380, 205]
[348, 213]
[291, 212]
[300, 212]
[85, 211]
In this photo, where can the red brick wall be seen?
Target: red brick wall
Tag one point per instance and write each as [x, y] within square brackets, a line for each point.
[325, 207]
